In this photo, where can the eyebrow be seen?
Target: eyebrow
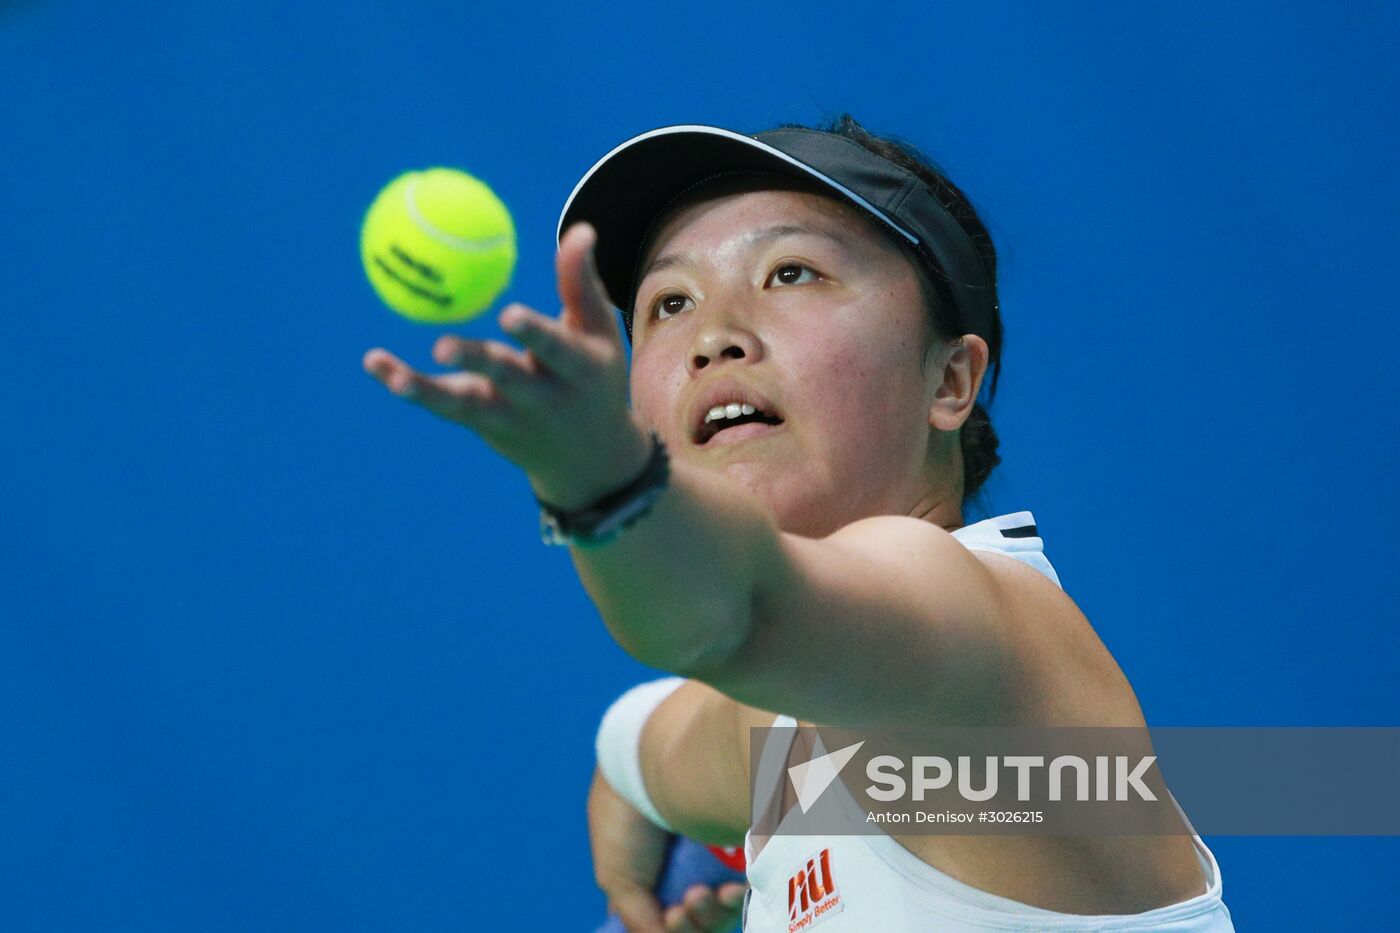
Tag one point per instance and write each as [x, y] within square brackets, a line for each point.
[766, 235]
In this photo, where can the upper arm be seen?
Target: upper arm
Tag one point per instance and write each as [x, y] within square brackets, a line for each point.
[694, 764]
[889, 621]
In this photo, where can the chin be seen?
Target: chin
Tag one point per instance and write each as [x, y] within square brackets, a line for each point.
[759, 478]
[794, 506]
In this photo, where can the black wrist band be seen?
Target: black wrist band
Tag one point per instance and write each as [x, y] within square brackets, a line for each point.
[601, 521]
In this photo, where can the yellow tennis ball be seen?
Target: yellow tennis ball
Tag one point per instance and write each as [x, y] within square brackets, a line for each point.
[438, 245]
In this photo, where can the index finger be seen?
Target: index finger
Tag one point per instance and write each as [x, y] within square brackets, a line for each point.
[586, 302]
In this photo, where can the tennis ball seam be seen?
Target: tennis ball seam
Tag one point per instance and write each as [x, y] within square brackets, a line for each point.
[442, 236]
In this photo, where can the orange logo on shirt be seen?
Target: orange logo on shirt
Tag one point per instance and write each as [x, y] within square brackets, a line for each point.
[812, 894]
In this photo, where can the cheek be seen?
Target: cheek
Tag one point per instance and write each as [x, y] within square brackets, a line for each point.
[653, 393]
[862, 393]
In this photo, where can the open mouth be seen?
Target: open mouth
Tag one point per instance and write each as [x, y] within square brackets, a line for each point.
[733, 422]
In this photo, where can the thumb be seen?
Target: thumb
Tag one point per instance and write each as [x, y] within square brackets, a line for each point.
[586, 302]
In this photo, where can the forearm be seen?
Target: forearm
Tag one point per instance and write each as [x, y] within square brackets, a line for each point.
[676, 588]
[626, 845]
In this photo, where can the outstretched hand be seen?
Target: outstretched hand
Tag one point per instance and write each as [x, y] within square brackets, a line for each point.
[557, 405]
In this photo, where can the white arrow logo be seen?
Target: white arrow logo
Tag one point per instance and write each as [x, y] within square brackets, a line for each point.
[815, 776]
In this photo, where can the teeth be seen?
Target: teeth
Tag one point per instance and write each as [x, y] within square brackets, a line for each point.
[731, 410]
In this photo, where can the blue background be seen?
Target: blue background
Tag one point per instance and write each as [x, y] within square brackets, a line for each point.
[281, 652]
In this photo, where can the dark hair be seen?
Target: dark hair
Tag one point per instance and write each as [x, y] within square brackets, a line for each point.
[977, 438]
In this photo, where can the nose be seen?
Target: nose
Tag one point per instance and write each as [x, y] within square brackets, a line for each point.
[722, 338]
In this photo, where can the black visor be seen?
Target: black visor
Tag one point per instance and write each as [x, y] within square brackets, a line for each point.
[628, 189]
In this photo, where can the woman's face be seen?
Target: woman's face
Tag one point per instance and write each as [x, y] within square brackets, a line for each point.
[796, 302]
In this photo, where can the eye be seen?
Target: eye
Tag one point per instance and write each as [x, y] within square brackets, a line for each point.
[785, 273]
[668, 306]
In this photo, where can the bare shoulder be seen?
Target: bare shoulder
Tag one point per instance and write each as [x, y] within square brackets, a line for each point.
[1070, 675]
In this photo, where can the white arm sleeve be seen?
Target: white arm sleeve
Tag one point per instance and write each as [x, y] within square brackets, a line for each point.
[619, 741]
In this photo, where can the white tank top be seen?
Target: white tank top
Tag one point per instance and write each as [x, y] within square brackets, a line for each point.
[872, 884]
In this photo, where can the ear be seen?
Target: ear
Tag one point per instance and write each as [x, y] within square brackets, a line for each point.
[955, 376]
